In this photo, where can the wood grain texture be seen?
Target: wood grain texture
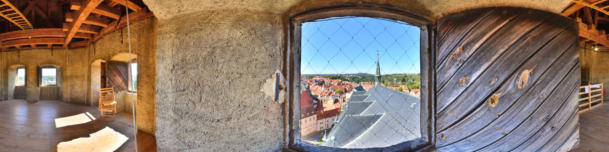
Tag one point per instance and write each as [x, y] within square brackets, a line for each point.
[520, 68]
[30, 126]
[118, 74]
[593, 129]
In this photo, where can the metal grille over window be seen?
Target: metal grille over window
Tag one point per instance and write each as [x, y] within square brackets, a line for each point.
[360, 82]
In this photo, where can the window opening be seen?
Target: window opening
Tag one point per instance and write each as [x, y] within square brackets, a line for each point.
[360, 82]
[49, 76]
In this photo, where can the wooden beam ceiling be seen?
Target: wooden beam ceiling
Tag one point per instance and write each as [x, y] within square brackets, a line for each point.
[85, 22]
[591, 33]
[13, 15]
[25, 34]
[133, 17]
[132, 6]
[101, 10]
[592, 6]
[33, 41]
[82, 15]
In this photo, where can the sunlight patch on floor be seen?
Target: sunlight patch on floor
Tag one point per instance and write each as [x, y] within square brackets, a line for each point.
[74, 120]
[105, 140]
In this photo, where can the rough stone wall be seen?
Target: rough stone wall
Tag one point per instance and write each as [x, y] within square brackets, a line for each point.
[75, 66]
[211, 66]
[596, 65]
[34, 58]
[3, 77]
[164, 9]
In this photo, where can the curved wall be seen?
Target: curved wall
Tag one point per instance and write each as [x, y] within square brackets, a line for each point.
[75, 66]
[507, 80]
[213, 57]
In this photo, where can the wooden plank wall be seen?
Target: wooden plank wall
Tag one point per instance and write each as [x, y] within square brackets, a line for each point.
[118, 75]
[506, 80]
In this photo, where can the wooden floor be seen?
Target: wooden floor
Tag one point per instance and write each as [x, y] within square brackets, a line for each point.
[594, 130]
[30, 126]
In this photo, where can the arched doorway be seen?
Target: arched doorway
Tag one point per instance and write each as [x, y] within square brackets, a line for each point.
[98, 79]
[17, 81]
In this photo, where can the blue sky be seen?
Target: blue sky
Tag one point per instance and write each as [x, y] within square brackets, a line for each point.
[350, 44]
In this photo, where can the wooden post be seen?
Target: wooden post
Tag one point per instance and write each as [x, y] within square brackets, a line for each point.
[602, 93]
[589, 96]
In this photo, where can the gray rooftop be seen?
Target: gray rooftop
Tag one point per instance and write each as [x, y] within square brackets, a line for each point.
[380, 117]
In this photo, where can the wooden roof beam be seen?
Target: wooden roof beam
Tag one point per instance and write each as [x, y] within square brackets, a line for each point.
[88, 29]
[34, 33]
[133, 17]
[75, 6]
[83, 36]
[590, 5]
[107, 11]
[591, 33]
[69, 17]
[134, 7]
[598, 2]
[16, 15]
[32, 41]
[574, 8]
[93, 20]
[82, 14]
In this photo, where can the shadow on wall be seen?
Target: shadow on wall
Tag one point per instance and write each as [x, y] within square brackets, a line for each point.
[16, 85]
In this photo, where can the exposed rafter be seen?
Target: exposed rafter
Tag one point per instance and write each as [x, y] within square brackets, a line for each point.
[132, 6]
[33, 38]
[593, 5]
[9, 12]
[591, 33]
[133, 17]
[82, 15]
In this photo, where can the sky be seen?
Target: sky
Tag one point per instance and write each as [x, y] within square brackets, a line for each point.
[49, 72]
[350, 44]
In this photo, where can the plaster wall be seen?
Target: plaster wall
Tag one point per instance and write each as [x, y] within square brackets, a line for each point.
[75, 69]
[164, 9]
[211, 66]
[595, 63]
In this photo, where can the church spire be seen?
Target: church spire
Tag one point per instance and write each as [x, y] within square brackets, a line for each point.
[377, 78]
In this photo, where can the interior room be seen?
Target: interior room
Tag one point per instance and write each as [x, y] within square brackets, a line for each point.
[303, 75]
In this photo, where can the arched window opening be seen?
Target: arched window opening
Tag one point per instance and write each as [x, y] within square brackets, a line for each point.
[133, 77]
[20, 77]
[360, 81]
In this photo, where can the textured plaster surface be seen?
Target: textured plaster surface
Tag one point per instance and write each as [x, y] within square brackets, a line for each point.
[211, 67]
[75, 67]
[596, 63]
[164, 9]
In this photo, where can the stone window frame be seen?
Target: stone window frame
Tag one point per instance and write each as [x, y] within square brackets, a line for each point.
[291, 60]
[57, 75]
[24, 76]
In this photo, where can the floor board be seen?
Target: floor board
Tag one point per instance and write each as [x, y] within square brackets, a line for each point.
[594, 130]
[30, 126]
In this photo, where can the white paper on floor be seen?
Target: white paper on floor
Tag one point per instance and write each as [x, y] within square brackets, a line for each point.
[73, 120]
[105, 140]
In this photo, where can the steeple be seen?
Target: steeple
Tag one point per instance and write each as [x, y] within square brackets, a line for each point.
[377, 78]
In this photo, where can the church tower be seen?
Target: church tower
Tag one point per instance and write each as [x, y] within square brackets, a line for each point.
[377, 78]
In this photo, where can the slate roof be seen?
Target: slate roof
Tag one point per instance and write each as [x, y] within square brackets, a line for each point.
[380, 117]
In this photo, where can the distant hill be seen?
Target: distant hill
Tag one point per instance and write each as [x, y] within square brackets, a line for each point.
[412, 80]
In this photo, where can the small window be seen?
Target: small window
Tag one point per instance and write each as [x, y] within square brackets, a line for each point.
[20, 79]
[49, 77]
[133, 85]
